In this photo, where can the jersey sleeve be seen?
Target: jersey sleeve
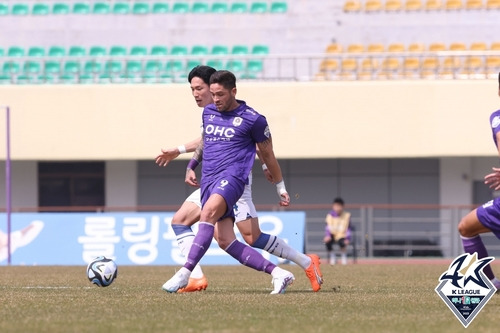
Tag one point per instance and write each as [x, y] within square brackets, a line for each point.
[260, 130]
[495, 122]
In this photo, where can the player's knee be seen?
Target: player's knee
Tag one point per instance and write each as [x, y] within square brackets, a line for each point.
[208, 214]
[180, 218]
[250, 239]
[223, 242]
[462, 229]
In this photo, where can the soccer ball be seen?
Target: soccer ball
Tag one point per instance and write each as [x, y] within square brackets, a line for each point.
[102, 271]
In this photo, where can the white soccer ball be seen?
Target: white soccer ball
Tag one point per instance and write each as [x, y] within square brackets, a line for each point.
[102, 271]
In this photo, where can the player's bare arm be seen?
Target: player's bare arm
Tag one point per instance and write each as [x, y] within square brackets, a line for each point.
[197, 158]
[267, 154]
[167, 155]
[267, 174]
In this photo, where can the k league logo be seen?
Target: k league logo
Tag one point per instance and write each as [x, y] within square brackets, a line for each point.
[465, 288]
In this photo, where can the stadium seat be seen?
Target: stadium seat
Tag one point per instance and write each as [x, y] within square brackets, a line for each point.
[393, 5]
[121, 8]
[40, 9]
[5, 79]
[416, 48]
[235, 66]
[138, 51]
[351, 6]
[258, 8]
[375, 48]
[36, 51]
[329, 65]
[254, 66]
[81, 8]
[492, 4]
[27, 79]
[278, 7]
[133, 67]
[11, 67]
[174, 66]
[433, 5]
[397, 47]
[413, 5]
[76, 51]
[453, 4]
[52, 67]
[492, 64]
[152, 66]
[179, 50]
[219, 7]
[451, 63]
[200, 8]
[140, 8]
[20, 9]
[215, 63]
[4, 10]
[495, 46]
[85, 79]
[473, 64]
[31, 67]
[259, 50]
[160, 8]
[92, 67]
[239, 7]
[158, 50]
[391, 64]
[180, 8]
[1, 52]
[429, 67]
[457, 47]
[60, 8]
[369, 64]
[15, 51]
[118, 51]
[474, 4]
[356, 48]
[97, 51]
[478, 46]
[100, 8]
[104, 78]
[239, 50]
[192, 63]
[411, 67]
[199, 50]
[349, 64]
[334, 48]
[437, 47]
[56, 51]
[113, 67]
[68, 79]
[71, 67]
[219, 50]
[373, 5]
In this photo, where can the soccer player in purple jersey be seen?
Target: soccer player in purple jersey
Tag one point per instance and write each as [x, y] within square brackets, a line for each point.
[487, 217]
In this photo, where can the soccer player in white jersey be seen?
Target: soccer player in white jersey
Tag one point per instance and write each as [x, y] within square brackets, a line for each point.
[247, 221]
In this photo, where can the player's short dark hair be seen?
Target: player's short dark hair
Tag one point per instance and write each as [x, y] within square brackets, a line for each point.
[203, 72]
[338, 200]
[224, 78]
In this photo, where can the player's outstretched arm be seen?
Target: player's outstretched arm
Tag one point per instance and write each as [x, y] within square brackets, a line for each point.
[195, 161]
[267, 154]
[267, 174]
[170, 154]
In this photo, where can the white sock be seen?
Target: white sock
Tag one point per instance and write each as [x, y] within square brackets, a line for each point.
[185, 241]
[278, 247]
[333, 258]
[344, 258]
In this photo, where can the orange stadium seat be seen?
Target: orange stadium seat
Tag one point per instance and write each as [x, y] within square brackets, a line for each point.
[413, 5]
[492, 65]
[375, 48]
[474, 4]
[397, 47]
[349, 64]
[433, 5]
[329, 65]
[334, 48]
[429, 67]
[393, 5]
[478, 46]
[352, 6]
[453, 4]
[416, 47]
[495, 46]
[390, 68]
[355, 48]
[373, 5]
[493, 4]
[457, 47]
[436, 47]
[368, 67]
[411, 67]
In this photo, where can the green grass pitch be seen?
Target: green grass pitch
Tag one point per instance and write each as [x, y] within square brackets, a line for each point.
[355, 298]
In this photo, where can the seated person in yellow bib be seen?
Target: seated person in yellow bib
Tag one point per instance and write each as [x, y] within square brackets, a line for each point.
[337, 231]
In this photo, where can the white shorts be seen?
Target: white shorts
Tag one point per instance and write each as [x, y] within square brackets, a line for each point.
[244, 208]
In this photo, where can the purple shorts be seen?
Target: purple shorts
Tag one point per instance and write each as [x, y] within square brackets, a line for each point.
[489, 216]
[229, 187]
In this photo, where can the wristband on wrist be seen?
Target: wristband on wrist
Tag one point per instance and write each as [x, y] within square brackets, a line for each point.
[264, 166]
[280, 187]
[182, 149]
[193, 164]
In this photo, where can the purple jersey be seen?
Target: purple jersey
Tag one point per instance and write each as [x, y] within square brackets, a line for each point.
[495, 125]
[229, 140]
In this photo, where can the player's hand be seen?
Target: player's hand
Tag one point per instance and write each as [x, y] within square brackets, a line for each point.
[166, 156]
[285, 200]
[191, 178]
[268, 175]
[327, 239]
[493, 179]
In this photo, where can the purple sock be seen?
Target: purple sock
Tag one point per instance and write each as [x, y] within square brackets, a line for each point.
[201, 243]
[475, 244]
[249, 257]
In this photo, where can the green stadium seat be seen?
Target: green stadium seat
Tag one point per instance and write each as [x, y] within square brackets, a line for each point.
[158, 50]
[254, 66]
[100, 8]
[85, 79]
[279, 7]
[52, 67]
[192, 64]
[104, 78]
[57, 51]
[152, 66]
[68, 79]
[179, 50]
[36, 51]
[71, 67]
[81, 8]
[200, 8]
[138, 51]
[235, 66]
[40, 9]
[26, 79]
[140, 8]
[118, 51]
[220, 50]
[215, 63]
[11, 67]
[20, 9]
[76, 51]
[121, 8]
[133, 67]
[239, 7]
[1, 52]
[260, 50]
[199, 50]
[60, 8]
[180, 8]
[31, 67]
[113, 67]
[97, 51]
[15, 51]
[45, 79]
[248, 76]
[240, 49]
[219, 7]
[258, 8]
[174, 66]
[5, 79]
[165, 78]
[92, 67]
[160, 8]
[4, 10]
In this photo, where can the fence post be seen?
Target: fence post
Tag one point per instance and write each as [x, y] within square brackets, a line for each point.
[369, 232]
